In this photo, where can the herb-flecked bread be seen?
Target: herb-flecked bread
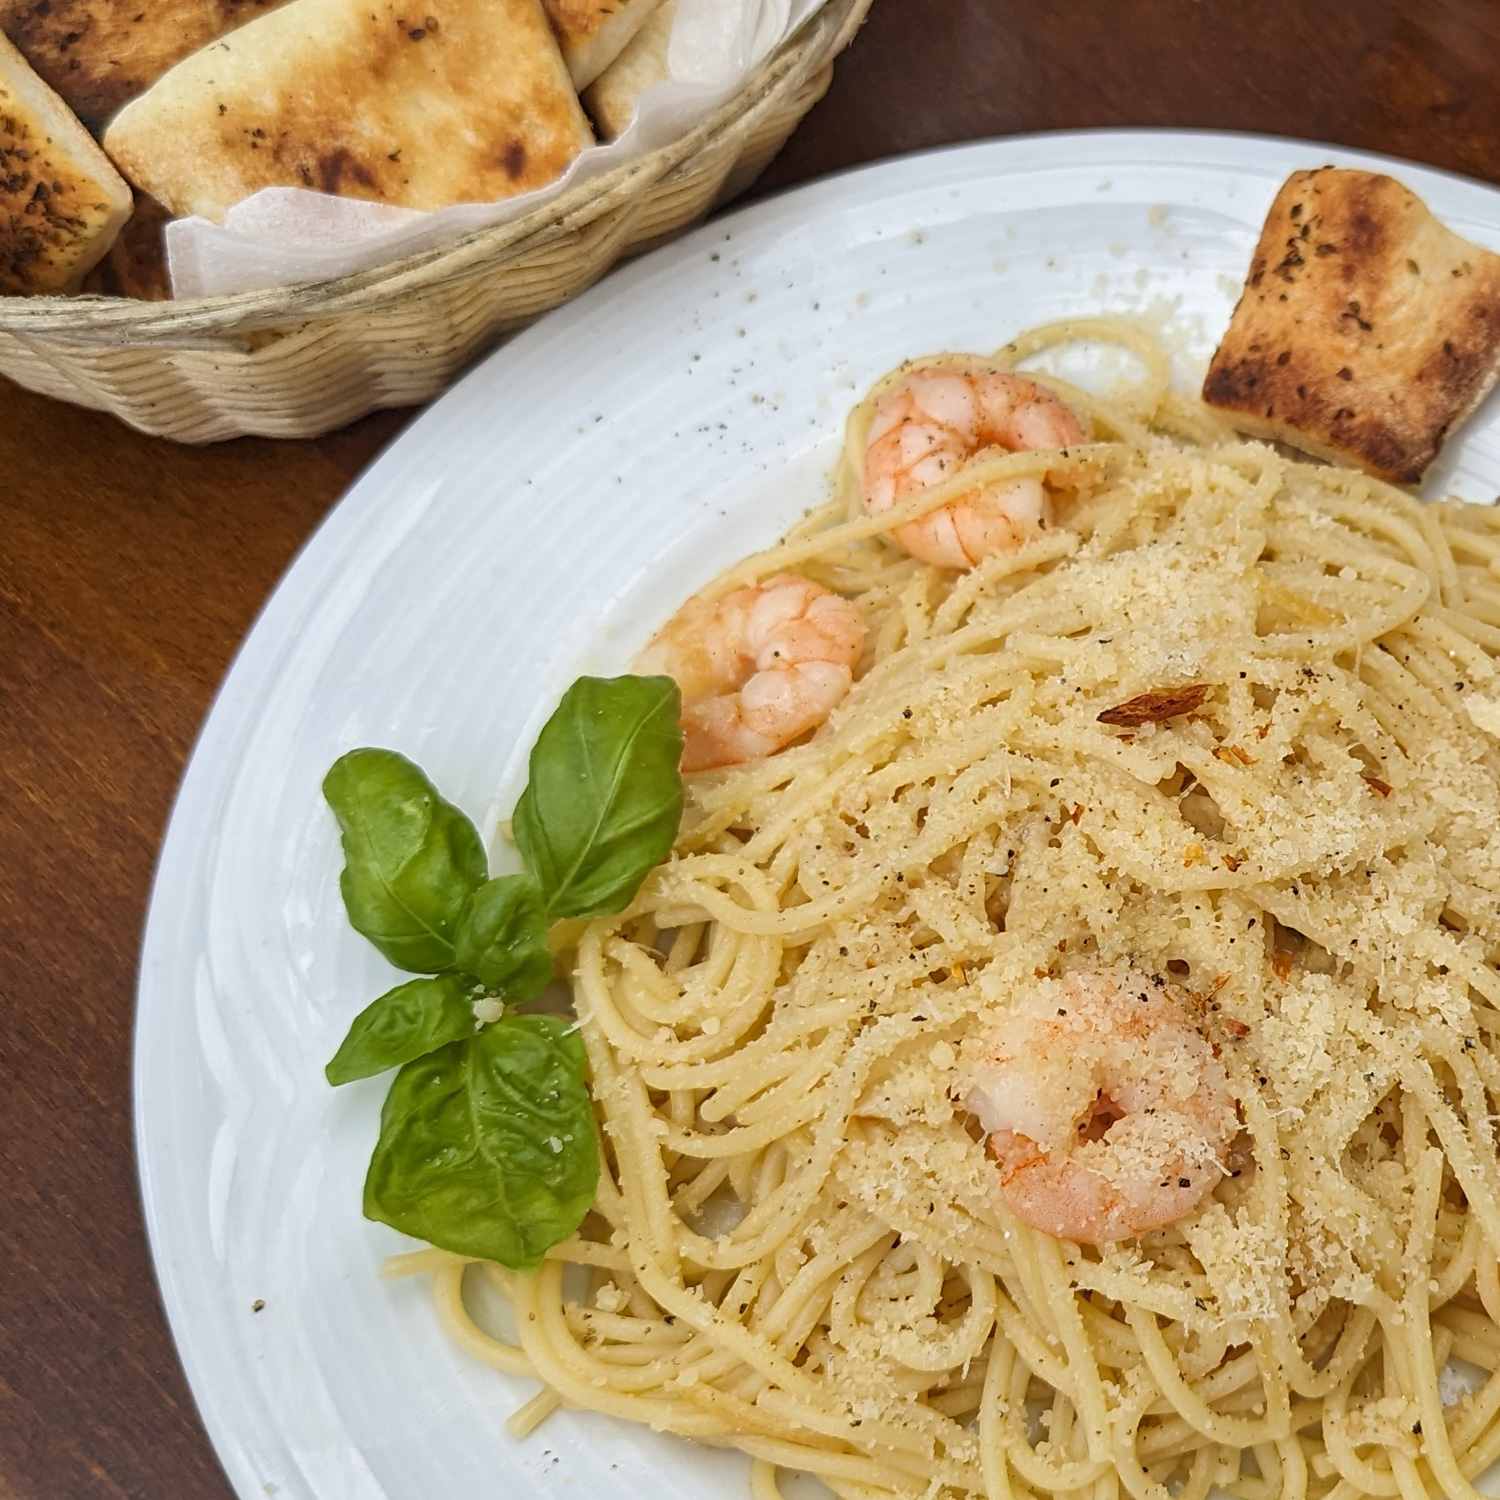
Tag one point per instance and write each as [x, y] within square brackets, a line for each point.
[61, 202]
[455, 101]
[1367, 331]
[99, 54]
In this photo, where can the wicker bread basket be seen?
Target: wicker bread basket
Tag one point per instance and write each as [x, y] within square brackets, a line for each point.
[298, 361]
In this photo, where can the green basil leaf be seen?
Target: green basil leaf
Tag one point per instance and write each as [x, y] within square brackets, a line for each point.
[411, 859]
[604, 799]
[403, 1024]
[487, 1147]
[502, 938]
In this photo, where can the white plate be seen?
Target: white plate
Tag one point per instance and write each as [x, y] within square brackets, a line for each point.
[534, 525]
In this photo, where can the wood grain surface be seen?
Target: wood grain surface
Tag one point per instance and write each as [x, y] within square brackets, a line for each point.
[130, 569]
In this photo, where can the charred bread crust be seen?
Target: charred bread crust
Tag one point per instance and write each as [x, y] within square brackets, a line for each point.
[61, 201]
[98, 54]
[350, 97]
[1367, 331]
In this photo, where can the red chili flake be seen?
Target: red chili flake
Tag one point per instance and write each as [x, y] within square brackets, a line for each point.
[1281, 964]
[1379, 787]
[1233, 755]
[1156, 707]
[1230, 862]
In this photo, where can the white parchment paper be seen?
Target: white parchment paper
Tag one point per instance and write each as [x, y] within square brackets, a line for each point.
[280, 236]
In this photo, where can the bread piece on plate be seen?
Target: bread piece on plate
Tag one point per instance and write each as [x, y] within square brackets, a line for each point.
[98, 54]
[611, 98]
[593, 33]
[1366, 332]
[455, 101]
[61, 202]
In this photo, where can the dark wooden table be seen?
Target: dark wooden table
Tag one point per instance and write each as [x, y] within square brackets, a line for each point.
[130, 569]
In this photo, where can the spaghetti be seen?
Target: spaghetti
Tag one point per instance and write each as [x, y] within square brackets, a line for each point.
[799, 1247]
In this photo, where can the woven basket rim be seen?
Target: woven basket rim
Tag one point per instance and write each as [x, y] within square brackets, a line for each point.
[96, 319]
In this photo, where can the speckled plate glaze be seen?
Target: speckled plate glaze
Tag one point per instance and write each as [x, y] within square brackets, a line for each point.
[535, 524]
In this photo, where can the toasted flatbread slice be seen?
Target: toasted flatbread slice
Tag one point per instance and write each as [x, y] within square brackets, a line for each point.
[61, 202]
[1366, 332]
[593, 33]
[611, 98]
[461, 101]
[98, 54]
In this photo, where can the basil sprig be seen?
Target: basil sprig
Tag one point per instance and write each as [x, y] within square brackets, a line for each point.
[487, 1147]
[486, 1139]
[410, 859]
[604, 795]
[404, 1024]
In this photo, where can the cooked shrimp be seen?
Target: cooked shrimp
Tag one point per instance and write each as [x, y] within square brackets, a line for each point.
[757, 668]
[928, 424]
[1108, 1112]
